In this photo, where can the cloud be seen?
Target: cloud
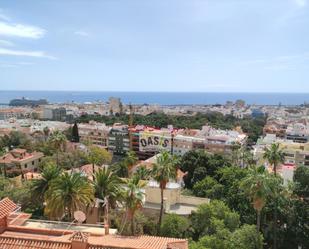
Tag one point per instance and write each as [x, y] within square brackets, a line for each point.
[81, 33]
[3, 16]
[6, 43]
[21, 30]
[301, 3]
[37, 54]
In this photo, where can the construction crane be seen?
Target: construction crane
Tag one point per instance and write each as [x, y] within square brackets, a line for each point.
[130, 126]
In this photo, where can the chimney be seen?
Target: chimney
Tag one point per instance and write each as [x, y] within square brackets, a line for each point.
[3, 223]
[79, 240]
[106, 229]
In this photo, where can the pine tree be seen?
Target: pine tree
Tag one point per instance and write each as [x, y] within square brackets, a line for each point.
[75, 135]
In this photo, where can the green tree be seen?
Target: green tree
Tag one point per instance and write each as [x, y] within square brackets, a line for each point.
[274, 155]
[164, 170]
[213, 217]
[75, 134]
[107, 188]
[246, 237]
[40, 186]
[98, 156]
[257, 185]
[301, 180]
[174, 226]
[198, 164]
[133, 199]
[67, 194]
[208, 187]
[58, 140]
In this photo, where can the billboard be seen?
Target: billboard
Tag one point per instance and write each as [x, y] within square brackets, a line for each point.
[151, 141]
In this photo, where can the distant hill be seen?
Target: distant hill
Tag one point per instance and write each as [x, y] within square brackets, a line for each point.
[27, 102]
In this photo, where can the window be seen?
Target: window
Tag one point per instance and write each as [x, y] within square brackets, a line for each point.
[32, 162]
[25, 166]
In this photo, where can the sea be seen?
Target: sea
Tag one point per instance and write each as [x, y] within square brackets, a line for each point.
[160, 98]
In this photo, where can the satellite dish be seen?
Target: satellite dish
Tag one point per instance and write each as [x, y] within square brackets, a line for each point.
[79, 216]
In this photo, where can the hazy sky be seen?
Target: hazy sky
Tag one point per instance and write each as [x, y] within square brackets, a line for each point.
[155, 45]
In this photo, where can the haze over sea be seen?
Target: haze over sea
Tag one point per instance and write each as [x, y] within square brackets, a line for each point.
[162, 98]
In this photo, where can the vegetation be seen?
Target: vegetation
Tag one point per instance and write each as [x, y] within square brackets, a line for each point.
[67, 194]
[163, 171]
[174, 226]
[107, 187]
[252, 126]
[245, 198]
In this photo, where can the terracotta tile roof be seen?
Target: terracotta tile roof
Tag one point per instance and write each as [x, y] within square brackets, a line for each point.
[6, 207]
[137, 242]
[20, 243]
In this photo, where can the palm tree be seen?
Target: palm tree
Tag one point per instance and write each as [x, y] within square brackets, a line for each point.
[274, 155]
[67, 194]
[121, 169]
[58, 140]
[40, 186]
[107, 187]
[130, 159]
[133, 198]
[142, 172]
[257, 185]
[164, 170]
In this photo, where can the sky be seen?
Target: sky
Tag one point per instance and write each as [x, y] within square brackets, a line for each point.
[155, 45]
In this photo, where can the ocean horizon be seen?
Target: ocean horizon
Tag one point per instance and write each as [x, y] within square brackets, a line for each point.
[160, 98]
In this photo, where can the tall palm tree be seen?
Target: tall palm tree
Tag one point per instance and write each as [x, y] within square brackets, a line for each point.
[107, 187]
[40, 186]
[143, 173]
[257, 185]
[130, 159]
[58, 140]
[133, 198]
[164, 170]
[274, 155]
[67, 194]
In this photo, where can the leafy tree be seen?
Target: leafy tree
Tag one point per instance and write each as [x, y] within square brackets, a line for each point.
[198, 164]
[213, 217]
[246, 237]
[98, 156]
[67, 194]
[301, 180]
[75, 134]
[107, 188]
[258, 187]
[230, 178]
[163, 171]
[174, 226]
[208, 187]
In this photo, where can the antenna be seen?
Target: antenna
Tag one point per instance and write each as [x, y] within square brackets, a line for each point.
[79, 216]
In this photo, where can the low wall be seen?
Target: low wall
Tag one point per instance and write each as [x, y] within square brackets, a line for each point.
[191, 200]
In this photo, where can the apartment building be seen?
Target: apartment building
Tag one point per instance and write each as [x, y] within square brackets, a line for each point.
[95, 133]
[118, 139]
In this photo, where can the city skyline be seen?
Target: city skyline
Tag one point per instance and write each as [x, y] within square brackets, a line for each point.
[155, 46]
